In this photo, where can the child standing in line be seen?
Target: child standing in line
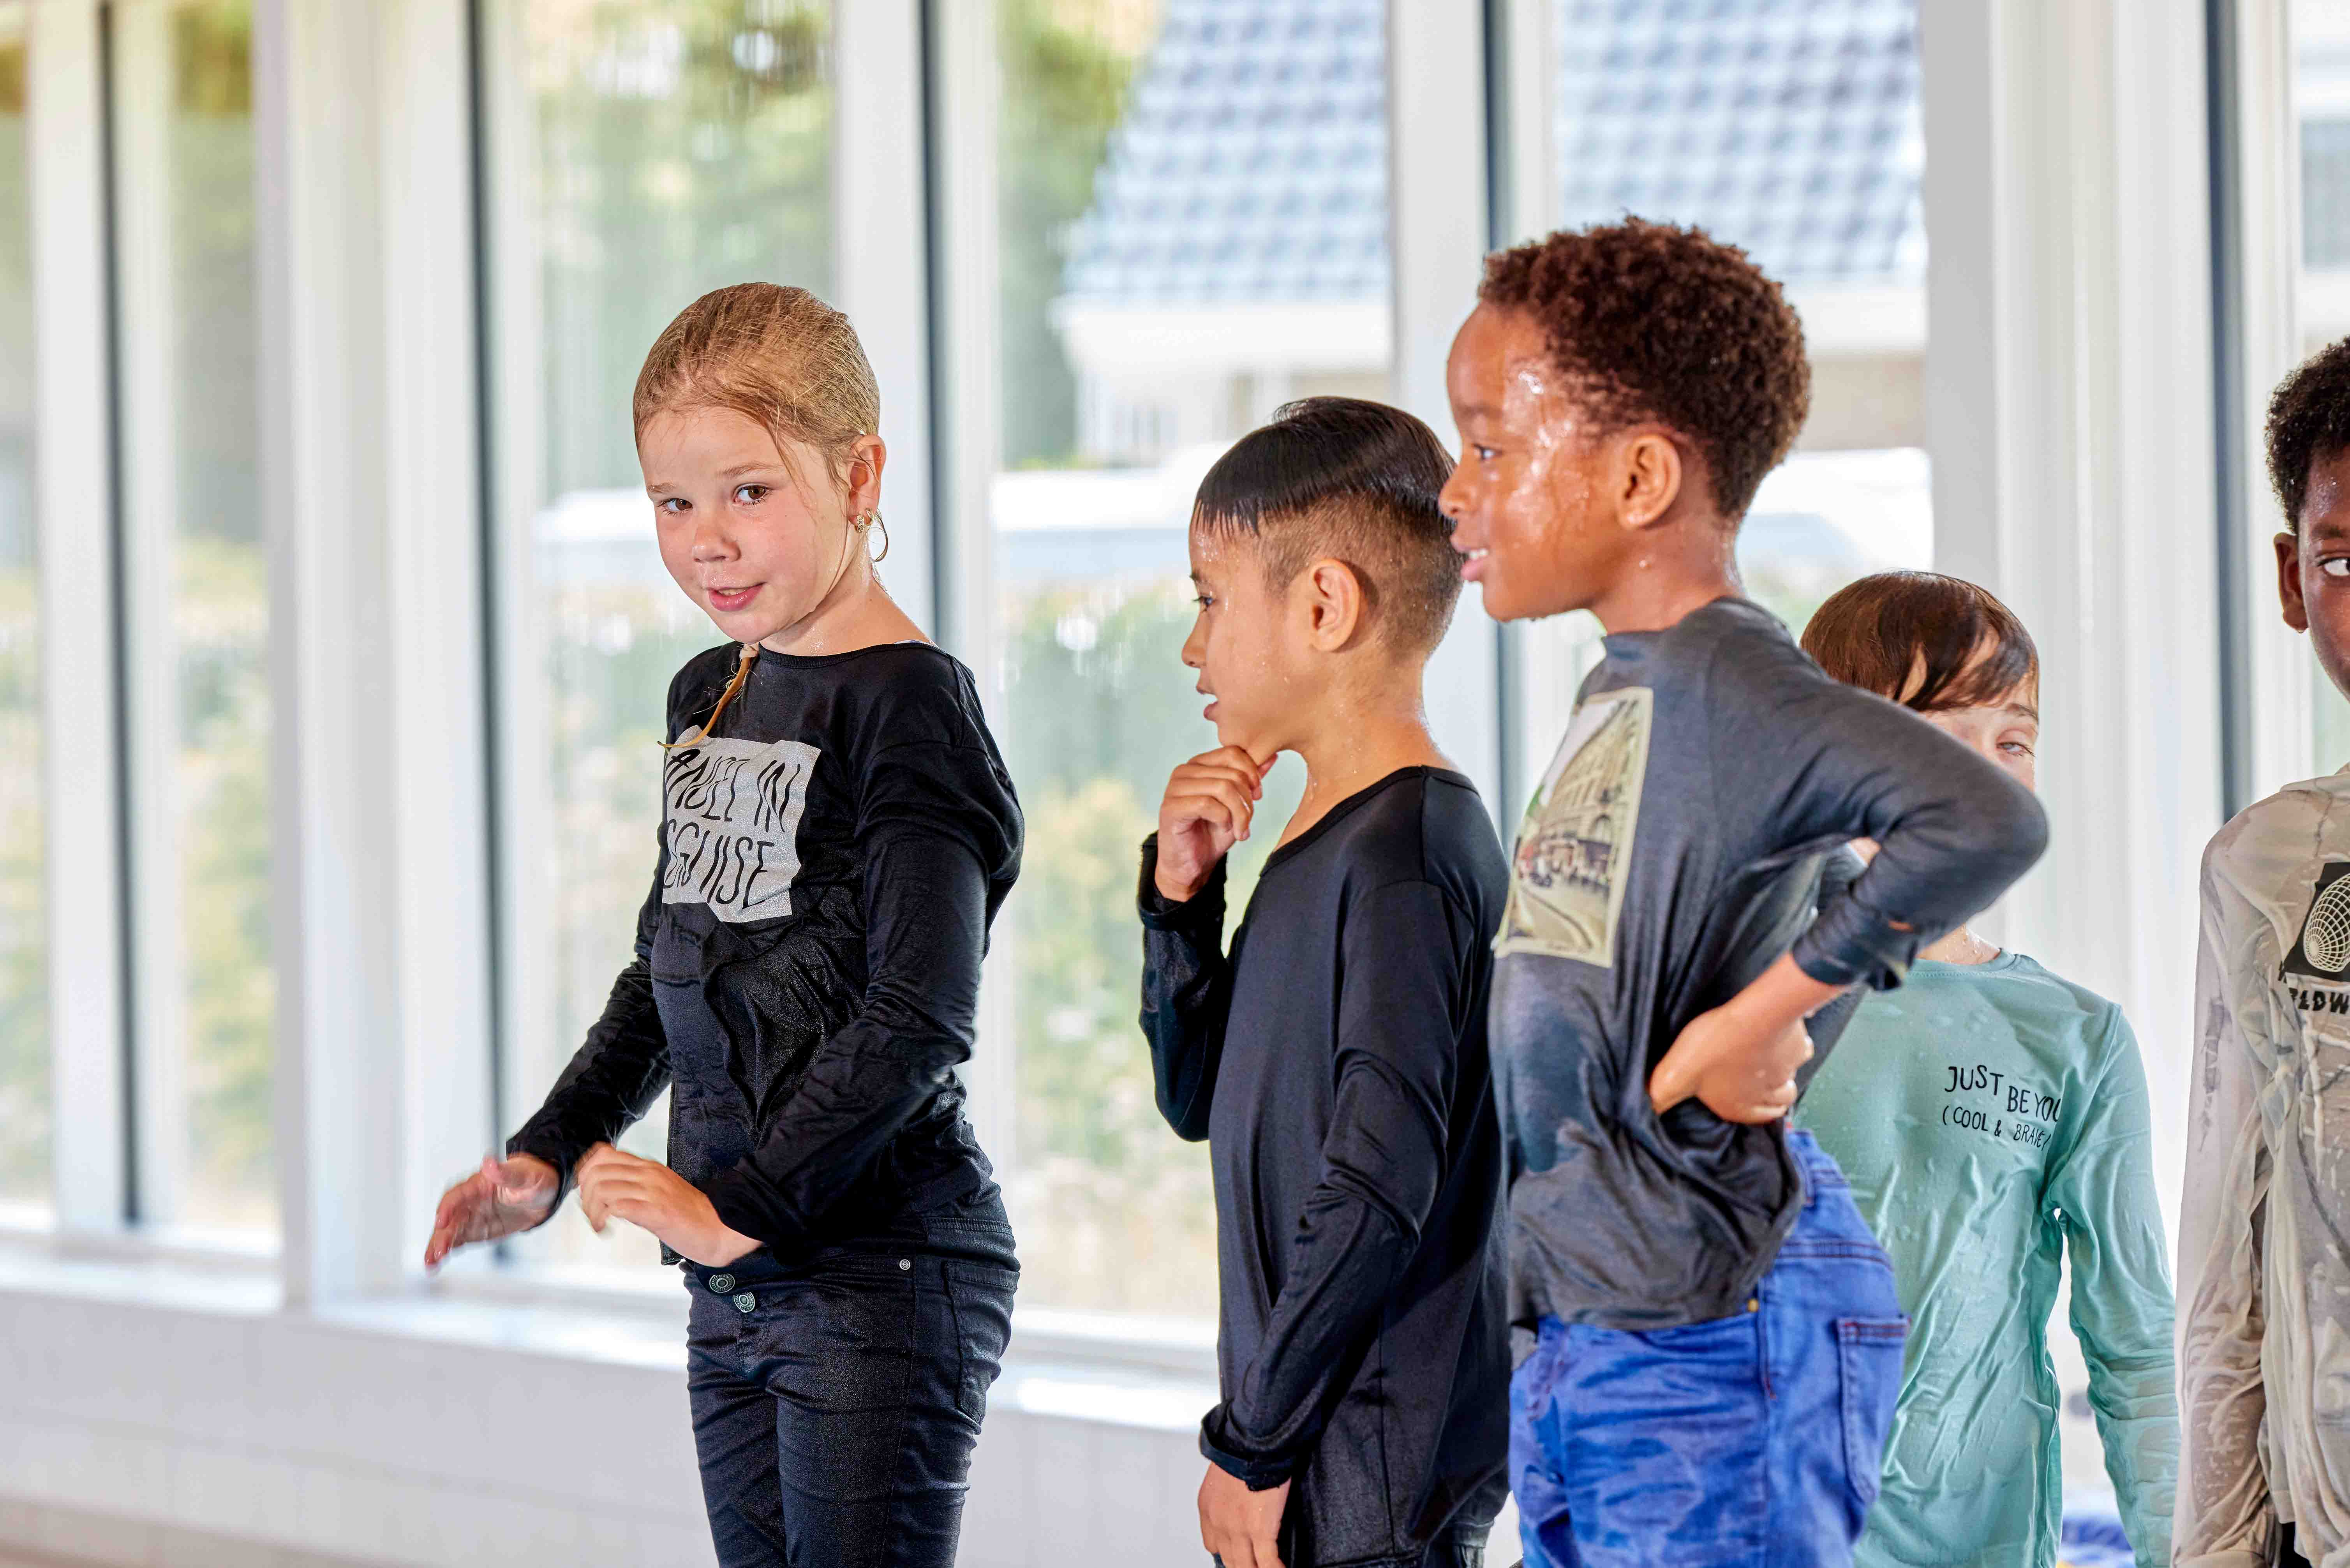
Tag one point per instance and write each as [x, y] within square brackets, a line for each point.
[1989, 1115]
[1334, 1059]
[837, 832]
[1712, 1343]
[2263, 1265]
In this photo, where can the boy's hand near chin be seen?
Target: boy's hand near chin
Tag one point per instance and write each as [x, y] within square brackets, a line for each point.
[1740, 1059]
[1206, 811]
[652, 1197]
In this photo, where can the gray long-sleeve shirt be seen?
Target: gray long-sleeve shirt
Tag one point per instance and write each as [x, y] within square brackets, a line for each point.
[1672, 854]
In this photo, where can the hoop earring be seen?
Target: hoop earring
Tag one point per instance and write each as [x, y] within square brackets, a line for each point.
[870, 522]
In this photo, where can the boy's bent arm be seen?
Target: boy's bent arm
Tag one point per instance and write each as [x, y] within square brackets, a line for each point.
[1401, 1014]
[2226, 1517]
[1186, 993]
[1799, 761]
[1952, 831]
[2102, 1184]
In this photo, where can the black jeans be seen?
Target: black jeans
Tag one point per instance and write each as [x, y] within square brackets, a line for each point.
[836, 1402]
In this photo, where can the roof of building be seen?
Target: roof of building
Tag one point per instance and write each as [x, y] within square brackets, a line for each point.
[1252, 163]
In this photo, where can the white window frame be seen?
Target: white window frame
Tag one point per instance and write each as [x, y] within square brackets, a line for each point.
[2069, 405]
[2278, 684]
[73, 479]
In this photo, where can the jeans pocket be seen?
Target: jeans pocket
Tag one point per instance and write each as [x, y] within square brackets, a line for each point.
[979, 1295]
[1868, 1368]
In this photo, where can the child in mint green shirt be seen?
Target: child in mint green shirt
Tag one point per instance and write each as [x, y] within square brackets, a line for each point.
[1991, 1117]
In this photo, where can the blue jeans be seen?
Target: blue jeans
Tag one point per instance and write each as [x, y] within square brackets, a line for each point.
[837, 1401]
[1753, 1440]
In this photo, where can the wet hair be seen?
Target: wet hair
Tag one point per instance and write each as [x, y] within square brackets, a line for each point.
[779, 356]
[1351, 479]
[2309, 420]
[782, 358]
[1654, 321]
[1884, 633]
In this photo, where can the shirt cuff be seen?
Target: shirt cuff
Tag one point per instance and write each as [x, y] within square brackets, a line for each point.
[1256, 1474]
[523, 1143]
[1203, 911]
[730, 1200]
[1852, 944]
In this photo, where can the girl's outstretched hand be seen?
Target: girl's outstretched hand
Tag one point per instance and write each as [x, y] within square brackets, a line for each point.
[500, 1199]
[616, 1186]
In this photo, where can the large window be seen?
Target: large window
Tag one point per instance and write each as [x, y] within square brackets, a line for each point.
[24, 993]
[643, 153]
[1792, 129]
[1195, 231]
[196, 636]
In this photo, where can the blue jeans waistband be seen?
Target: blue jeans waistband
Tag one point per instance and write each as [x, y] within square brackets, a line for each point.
[1820, 1170]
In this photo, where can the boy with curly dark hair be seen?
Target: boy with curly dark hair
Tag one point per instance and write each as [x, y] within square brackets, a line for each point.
[1710, 1342]
[2263, 1269]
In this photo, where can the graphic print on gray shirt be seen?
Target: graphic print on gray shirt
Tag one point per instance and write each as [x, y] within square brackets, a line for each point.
[1675, 849]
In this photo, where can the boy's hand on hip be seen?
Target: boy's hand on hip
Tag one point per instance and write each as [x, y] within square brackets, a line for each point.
[1740, 1072]
[652, 1197]
[1741, 1058]
[1240, 1527]
[1206, 811]
[504, 1196]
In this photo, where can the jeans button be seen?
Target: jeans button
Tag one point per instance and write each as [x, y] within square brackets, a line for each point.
[904, 1264]
[721, 1284]
[745, 1302]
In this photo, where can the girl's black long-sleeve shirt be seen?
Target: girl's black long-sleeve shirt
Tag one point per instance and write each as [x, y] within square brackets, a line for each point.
[806, 970]
[1335, 1063]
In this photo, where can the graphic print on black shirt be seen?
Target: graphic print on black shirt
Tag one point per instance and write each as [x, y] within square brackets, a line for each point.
[732, 812]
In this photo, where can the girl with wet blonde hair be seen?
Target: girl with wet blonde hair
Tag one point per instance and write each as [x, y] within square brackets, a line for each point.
[837, 834]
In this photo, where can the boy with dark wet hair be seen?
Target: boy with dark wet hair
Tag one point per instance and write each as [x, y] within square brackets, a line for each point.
[1335, 1057]
[2263, 1271]
[1711, 1341]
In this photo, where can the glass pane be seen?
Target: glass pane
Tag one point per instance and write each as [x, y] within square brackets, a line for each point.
[198, 635]
[1792, 129]
[24, 992]
[2321, 90]
[1195, 231]
[645, 152]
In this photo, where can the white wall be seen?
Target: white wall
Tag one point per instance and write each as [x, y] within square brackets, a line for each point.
[451, 1434]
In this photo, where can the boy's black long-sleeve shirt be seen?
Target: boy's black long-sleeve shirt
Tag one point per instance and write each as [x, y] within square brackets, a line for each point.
[807, 971]
[1335, 1063]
